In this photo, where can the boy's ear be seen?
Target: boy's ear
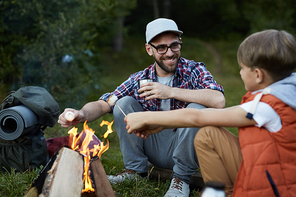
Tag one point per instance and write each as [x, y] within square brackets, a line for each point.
[260, 75]
[148, 49]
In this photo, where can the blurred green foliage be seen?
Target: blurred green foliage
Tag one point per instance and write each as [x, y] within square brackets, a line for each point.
[36, 36]
[216, 19]
[56, 44]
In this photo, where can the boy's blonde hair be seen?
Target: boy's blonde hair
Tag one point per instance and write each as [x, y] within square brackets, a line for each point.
[271, 50]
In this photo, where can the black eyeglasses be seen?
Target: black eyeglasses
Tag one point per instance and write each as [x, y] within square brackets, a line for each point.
[162, 49]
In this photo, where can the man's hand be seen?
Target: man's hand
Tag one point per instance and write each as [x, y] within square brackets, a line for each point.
[155, 90]
[136, 123]
[77, 118]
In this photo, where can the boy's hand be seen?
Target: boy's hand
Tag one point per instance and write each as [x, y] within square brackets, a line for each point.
[136, 123]
[147, 132]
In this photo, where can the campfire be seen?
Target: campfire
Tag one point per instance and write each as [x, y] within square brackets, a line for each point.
[88, 145]
[76, 170]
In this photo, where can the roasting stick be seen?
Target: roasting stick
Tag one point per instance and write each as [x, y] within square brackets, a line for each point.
[112, 101]
[120, 110]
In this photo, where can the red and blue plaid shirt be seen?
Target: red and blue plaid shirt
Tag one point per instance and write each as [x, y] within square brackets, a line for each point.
[189, 75]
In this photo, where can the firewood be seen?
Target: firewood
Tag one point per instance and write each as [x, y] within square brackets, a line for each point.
[65, 176]
[100, 179]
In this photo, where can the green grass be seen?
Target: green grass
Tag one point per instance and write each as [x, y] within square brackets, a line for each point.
[14, 184]
[120, 66]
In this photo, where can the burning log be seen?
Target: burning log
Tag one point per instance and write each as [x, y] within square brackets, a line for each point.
[100, 179]
[77, 171]
[65, 176]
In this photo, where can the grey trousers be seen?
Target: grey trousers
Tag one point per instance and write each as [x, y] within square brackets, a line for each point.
[170, 149]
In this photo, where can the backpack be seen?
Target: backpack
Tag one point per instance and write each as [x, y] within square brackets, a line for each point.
[29, 110]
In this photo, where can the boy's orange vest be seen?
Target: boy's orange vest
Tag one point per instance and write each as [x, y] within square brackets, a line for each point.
[265, 151]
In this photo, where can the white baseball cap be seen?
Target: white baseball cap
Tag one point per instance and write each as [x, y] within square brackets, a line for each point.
[159, 26]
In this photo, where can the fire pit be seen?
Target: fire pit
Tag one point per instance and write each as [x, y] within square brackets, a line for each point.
[75, 170]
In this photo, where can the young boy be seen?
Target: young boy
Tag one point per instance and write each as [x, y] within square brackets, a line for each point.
[262, 162]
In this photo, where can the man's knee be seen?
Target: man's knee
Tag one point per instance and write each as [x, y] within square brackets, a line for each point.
[124, 101]
[195, 106]
[127, 104]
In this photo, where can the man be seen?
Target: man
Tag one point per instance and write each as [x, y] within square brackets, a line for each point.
[177, 83]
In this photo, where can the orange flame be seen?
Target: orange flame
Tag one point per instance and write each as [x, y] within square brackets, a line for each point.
[87, 144]
[109, 127]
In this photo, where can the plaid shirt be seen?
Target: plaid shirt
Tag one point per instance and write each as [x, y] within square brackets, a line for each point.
[188, 75]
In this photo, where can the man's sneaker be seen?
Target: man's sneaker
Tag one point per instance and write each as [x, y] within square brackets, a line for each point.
[178, 188]
[118, 178]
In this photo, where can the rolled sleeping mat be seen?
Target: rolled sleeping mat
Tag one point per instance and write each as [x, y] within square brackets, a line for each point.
[16, 121]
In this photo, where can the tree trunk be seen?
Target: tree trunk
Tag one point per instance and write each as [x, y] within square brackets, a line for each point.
[118, 40]
[166, 8]
[155, 9]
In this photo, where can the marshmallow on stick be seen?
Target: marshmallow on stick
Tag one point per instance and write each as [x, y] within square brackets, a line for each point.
[112, 102]
[69, 116]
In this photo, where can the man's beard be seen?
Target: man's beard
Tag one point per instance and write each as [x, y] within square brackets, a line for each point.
[168, 69]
